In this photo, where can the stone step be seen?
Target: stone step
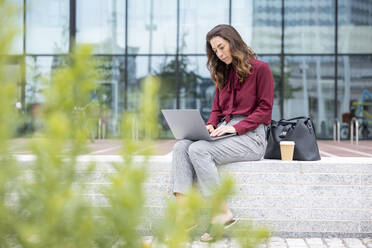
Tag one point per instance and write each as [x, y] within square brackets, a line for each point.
[256, 178]
[332, 196]
[252, 190]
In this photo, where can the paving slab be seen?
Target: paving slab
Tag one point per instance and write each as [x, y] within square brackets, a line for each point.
[280, 242]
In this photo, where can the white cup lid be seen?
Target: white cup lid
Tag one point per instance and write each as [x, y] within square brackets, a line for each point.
[287, 143]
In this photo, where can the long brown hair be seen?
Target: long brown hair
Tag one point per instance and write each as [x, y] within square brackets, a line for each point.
[241, 55]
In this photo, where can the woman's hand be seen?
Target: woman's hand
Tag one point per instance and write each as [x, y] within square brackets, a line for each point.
[223, 129]
[210, 128]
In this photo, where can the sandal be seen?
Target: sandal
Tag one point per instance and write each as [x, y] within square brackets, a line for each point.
[229, 224]
[191, 228]
[206, 237]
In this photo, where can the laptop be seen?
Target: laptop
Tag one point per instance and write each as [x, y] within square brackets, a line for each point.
[188, 124]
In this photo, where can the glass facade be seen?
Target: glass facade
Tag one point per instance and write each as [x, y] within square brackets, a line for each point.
[354, 93]
[17, 47]
[196, 19]
[320, 53]
[47, 26]
[266, 21]
[355, 26]
[152, 27]
[309, 26]
[309, 90]
[101, 24]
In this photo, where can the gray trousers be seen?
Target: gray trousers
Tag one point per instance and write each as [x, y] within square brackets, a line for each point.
[196, 161]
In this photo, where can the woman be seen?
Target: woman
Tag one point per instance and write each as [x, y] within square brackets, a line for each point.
[242, 104]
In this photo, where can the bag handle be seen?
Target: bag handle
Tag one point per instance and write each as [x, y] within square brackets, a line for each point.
[295, 118]
[309, 125]
[286, 122]
[292, 120]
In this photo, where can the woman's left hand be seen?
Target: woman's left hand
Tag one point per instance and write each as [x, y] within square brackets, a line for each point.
[223, 129]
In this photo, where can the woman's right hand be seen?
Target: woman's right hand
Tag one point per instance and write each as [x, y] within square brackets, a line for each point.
[210, 128]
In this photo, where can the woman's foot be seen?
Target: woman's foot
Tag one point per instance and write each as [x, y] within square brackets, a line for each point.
[225, 219]
[207, 237]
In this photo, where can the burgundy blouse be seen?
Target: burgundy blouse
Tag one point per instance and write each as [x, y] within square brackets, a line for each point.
[252, 98]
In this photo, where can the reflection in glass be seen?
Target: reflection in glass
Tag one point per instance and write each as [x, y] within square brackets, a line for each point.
[47, 26]
[38, 71]
[309, 26]
[110, 91]
[259, 23]
[196, 86]
[242, 19]
[12, 72]
[162, 67]
[38, 74]
[309, 90]
[354, 26]
[355, 94]
[17, 46]
[152, 26]
[196, 19]
[109, 94]
[274, 64]
[101, 23]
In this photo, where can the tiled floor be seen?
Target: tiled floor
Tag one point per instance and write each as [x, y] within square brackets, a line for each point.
[278, 242]
[345, 149]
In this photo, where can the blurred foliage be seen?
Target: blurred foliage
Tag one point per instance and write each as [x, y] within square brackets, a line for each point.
[8, 168]
[185, 220]
[42, 201]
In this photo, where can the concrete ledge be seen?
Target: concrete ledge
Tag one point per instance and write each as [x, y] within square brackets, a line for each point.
[330, 197]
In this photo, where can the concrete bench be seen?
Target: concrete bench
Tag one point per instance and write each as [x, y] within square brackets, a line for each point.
[330, 197]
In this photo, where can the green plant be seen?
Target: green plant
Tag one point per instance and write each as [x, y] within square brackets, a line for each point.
[186, 220]
[8, 168]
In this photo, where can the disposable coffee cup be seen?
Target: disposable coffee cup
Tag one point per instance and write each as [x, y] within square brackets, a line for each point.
[286, 150]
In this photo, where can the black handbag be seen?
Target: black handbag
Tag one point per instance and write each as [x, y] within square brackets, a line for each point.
[300, 130]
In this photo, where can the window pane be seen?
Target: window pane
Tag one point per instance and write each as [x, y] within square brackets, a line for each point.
[259, 24]
[47, 26]
[152, 26]
[355, 94]
[38, 69]
[355, 26]
[38, 72]
[164, 68]
[196, 19]
[110, 92]
[12, 71]
[196, 86]
[309, 90]
[309, 26]
[17, 23]
[161, 66]
[101, 23]
[274, 64]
